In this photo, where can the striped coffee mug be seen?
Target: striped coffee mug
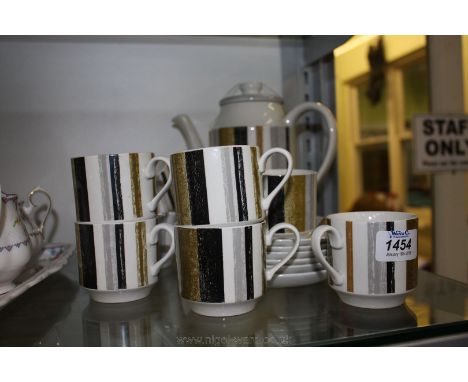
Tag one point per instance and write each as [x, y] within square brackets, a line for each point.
[374, 256]
[117, 261]
[222, 269]
[296, 203]
[218, 185]
[112, 187]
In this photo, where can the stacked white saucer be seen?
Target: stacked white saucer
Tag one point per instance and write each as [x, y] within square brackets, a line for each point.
[302, 269]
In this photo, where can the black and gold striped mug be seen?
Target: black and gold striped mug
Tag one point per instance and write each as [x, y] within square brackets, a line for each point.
[222, 268]
[110, 187]
[219, 185]
[117, 261]
[296, 202]
[374, 256]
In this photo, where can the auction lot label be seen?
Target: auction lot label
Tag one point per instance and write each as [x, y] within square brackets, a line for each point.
[396, 245]
[440, 142]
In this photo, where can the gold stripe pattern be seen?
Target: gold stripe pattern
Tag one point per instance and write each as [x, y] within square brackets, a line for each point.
[78, 253]
[142, 254]
[181, 188]
[188, 247]
[259, 138]
[226, 136]
[294, 202]
[412, 265]
[256, 183]
[135, 179]
[349, 257]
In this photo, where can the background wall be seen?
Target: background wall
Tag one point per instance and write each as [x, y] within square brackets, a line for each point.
[65, 97]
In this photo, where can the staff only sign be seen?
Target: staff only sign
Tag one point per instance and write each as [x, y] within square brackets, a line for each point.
[440, 142]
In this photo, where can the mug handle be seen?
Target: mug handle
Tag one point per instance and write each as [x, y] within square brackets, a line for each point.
[262, 167]
[150, 172]
[28, 209]
[269, 237]
[336, 242]
[169, 228]
[330, 129]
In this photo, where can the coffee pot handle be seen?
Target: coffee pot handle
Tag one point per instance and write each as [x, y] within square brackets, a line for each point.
[336, 242]
[153, 239]
[292, 117]
[266, 201]
[150, 172]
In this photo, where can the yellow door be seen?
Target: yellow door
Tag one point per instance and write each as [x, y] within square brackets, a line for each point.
[374, 132]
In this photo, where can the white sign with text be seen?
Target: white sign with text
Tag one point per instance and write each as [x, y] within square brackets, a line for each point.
[396, 245]
[440, 142]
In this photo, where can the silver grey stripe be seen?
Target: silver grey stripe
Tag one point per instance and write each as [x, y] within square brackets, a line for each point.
[377, 271]
[232, 214]
[239, 264]
[105, 184]
[109, 257]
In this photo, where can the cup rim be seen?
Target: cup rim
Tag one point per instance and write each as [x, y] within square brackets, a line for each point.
[372, 216]
[114, 222]
[295, 172]
[222, 225]
[212, 148]
[93, 156]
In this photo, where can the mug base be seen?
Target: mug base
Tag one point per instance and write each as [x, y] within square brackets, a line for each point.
[119, 296]
[214, 309]
[372, 301]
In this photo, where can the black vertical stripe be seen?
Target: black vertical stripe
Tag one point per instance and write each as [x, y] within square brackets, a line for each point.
[240, 135]
[81, 189]
[120, 254]
[114, 164]
[210, 265]
[249, 263]
[88, 256]
[240, 184]
[390, 266]
[196, 182]
[287, 130]
[276, 210]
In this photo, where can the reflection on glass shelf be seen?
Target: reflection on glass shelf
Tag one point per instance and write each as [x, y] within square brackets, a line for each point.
[303, 316]
[415, 90]
[372, 117]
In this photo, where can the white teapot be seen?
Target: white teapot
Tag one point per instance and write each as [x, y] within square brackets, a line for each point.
[252, 114]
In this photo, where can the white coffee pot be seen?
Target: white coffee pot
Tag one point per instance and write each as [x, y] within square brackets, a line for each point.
[252, 114]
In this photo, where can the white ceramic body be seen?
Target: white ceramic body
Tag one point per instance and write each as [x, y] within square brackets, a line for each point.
[15, 246]
[221, 185]
[116, 187]
[222, 270]
[355, 273]
[117, 262]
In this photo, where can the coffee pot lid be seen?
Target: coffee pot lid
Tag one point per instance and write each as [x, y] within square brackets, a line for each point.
[250, 92]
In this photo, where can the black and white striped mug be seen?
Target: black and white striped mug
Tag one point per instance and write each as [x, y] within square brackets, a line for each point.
[117, 261]
[111, 187]
[296, 203]
[374, 256]
[222, 269]
[219, 185]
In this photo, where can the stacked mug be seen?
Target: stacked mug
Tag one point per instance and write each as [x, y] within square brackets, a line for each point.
[222, 229]
[116, 228]
[296, 204]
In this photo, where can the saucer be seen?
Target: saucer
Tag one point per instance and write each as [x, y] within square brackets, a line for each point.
[278, 242]
[119, 296]
[286, 248]
[289, 269]
[302, 261]
[282, 255]
[305, 235]
[299, 279]
[285, 252]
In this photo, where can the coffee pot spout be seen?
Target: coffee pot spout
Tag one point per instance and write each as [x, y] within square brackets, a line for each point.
[184, 124]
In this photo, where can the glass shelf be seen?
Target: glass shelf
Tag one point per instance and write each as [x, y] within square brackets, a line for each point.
[57, 312]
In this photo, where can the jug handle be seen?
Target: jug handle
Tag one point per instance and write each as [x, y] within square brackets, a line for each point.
[40, 190]
[330, 129]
